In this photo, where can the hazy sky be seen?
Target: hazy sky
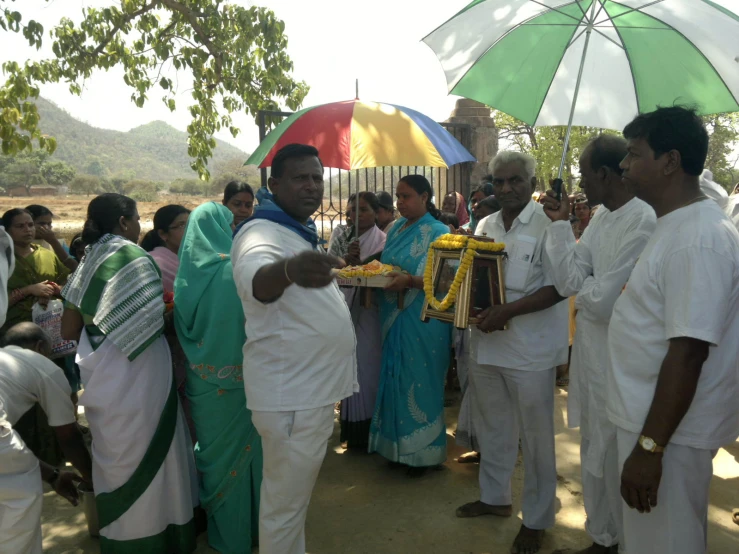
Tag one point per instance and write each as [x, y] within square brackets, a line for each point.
[331, 42]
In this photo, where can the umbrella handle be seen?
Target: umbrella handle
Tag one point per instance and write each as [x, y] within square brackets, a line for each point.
[557, 185]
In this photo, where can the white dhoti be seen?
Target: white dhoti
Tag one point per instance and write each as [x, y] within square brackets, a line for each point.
[509, 402]
[21, 496]
[602, 497]
[679, 522]
[294, 445]
[466, 435]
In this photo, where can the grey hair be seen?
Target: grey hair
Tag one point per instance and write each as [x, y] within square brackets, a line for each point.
[528, 163]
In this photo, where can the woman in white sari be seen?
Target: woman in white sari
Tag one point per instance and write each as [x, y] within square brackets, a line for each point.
[143, 467]
[357, 410]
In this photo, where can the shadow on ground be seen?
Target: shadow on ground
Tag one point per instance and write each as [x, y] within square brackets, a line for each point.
[362, 506]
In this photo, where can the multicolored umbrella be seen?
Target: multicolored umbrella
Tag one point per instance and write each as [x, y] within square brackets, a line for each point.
[592, 62]
[356, 134]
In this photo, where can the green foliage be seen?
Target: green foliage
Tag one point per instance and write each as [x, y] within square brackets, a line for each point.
[545, 144]
[85, 184]
[57, 172]
[33, 168]
[236, 56]
[192, 187]
[722, 157]
[153, 151]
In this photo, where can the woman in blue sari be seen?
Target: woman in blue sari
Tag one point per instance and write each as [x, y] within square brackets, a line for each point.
[408, 424]
[210, 325]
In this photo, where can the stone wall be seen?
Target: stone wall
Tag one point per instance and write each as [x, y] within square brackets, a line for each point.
[484, 139]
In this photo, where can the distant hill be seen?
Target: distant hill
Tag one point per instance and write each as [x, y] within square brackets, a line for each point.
[155, 151]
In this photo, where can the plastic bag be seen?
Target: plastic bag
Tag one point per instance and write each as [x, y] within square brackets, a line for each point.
[50, 320]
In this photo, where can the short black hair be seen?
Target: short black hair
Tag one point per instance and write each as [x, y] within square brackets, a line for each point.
[11, 214]
[489, 202]
[485, 188]
[673, 128]
[289, 152]
[607, 151]
[235, 187]
[38, 210]
[367, 196]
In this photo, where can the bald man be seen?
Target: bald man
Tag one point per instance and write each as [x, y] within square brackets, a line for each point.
[27, 377]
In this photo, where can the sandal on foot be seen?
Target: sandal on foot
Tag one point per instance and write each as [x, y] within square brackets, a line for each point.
[479, 508]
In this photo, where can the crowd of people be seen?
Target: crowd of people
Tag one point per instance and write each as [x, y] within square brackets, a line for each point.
[212, 355]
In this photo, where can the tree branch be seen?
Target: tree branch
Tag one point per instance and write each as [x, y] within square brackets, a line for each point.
[117, 27]
[192, 17]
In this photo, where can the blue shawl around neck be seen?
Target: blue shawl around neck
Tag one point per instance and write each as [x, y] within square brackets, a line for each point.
[269, 210]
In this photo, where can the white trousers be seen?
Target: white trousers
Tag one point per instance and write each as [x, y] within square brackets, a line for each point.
[602, 496]
[508, 401]
[679, 522]
[294, 446]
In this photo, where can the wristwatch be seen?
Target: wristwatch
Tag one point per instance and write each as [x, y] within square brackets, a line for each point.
[649, 445]
[54, 477]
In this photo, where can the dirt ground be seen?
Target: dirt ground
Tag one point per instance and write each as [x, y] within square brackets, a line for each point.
[361, 506]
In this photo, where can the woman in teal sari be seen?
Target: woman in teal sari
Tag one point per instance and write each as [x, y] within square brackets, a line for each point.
[408, 425]
[210, 325]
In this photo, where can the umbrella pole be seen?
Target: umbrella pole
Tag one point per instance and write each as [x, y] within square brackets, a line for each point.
[588, 31]
[356, 213]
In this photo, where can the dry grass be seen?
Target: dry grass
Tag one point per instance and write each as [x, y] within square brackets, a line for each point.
[70, 211]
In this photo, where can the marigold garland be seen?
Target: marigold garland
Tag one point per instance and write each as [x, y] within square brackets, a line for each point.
[454, 242]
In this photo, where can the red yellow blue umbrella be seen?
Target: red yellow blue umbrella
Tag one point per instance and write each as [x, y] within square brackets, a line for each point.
[355, 134]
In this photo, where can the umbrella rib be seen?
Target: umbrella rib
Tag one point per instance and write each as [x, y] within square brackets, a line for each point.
[504, 35]
[559, 11]
[583, 11]
[674, 30]
[628, 58]
[609, 38]
[574, 40]
[639, 9]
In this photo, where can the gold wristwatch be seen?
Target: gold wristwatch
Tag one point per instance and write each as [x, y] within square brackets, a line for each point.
[649, 445]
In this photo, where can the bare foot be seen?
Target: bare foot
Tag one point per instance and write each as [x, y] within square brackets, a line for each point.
[479, 508]
[469, 458]
[528, 541]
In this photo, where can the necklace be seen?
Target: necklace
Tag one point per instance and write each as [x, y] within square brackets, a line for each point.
[701, 196]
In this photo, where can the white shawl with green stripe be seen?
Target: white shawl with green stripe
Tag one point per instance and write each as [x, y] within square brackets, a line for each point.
[120, 287]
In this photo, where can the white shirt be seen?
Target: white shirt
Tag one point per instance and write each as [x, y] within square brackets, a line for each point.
[685, 284]
[7, 264]
[300, 350]
[27, 378]
[532, 342]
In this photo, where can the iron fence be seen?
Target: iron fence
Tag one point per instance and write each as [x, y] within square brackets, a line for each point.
[341, 184]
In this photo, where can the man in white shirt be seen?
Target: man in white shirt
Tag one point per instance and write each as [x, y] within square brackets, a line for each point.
[596, 268]
[673, 378]
[28, 377]
[511, 371]
[299, 356]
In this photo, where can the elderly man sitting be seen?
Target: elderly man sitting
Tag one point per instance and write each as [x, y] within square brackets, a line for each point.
[512, 356]
[28, 377]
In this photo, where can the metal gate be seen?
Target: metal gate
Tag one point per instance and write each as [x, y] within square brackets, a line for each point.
[340, 184]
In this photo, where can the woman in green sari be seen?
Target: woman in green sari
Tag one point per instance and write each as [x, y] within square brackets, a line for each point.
[38, 274]
[210, 325]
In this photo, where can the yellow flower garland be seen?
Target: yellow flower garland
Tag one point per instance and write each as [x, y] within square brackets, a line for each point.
[454, 242]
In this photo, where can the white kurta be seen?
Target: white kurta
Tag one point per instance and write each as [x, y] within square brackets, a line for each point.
[595, 269]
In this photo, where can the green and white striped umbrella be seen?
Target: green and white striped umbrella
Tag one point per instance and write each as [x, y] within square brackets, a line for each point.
[535, 60]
